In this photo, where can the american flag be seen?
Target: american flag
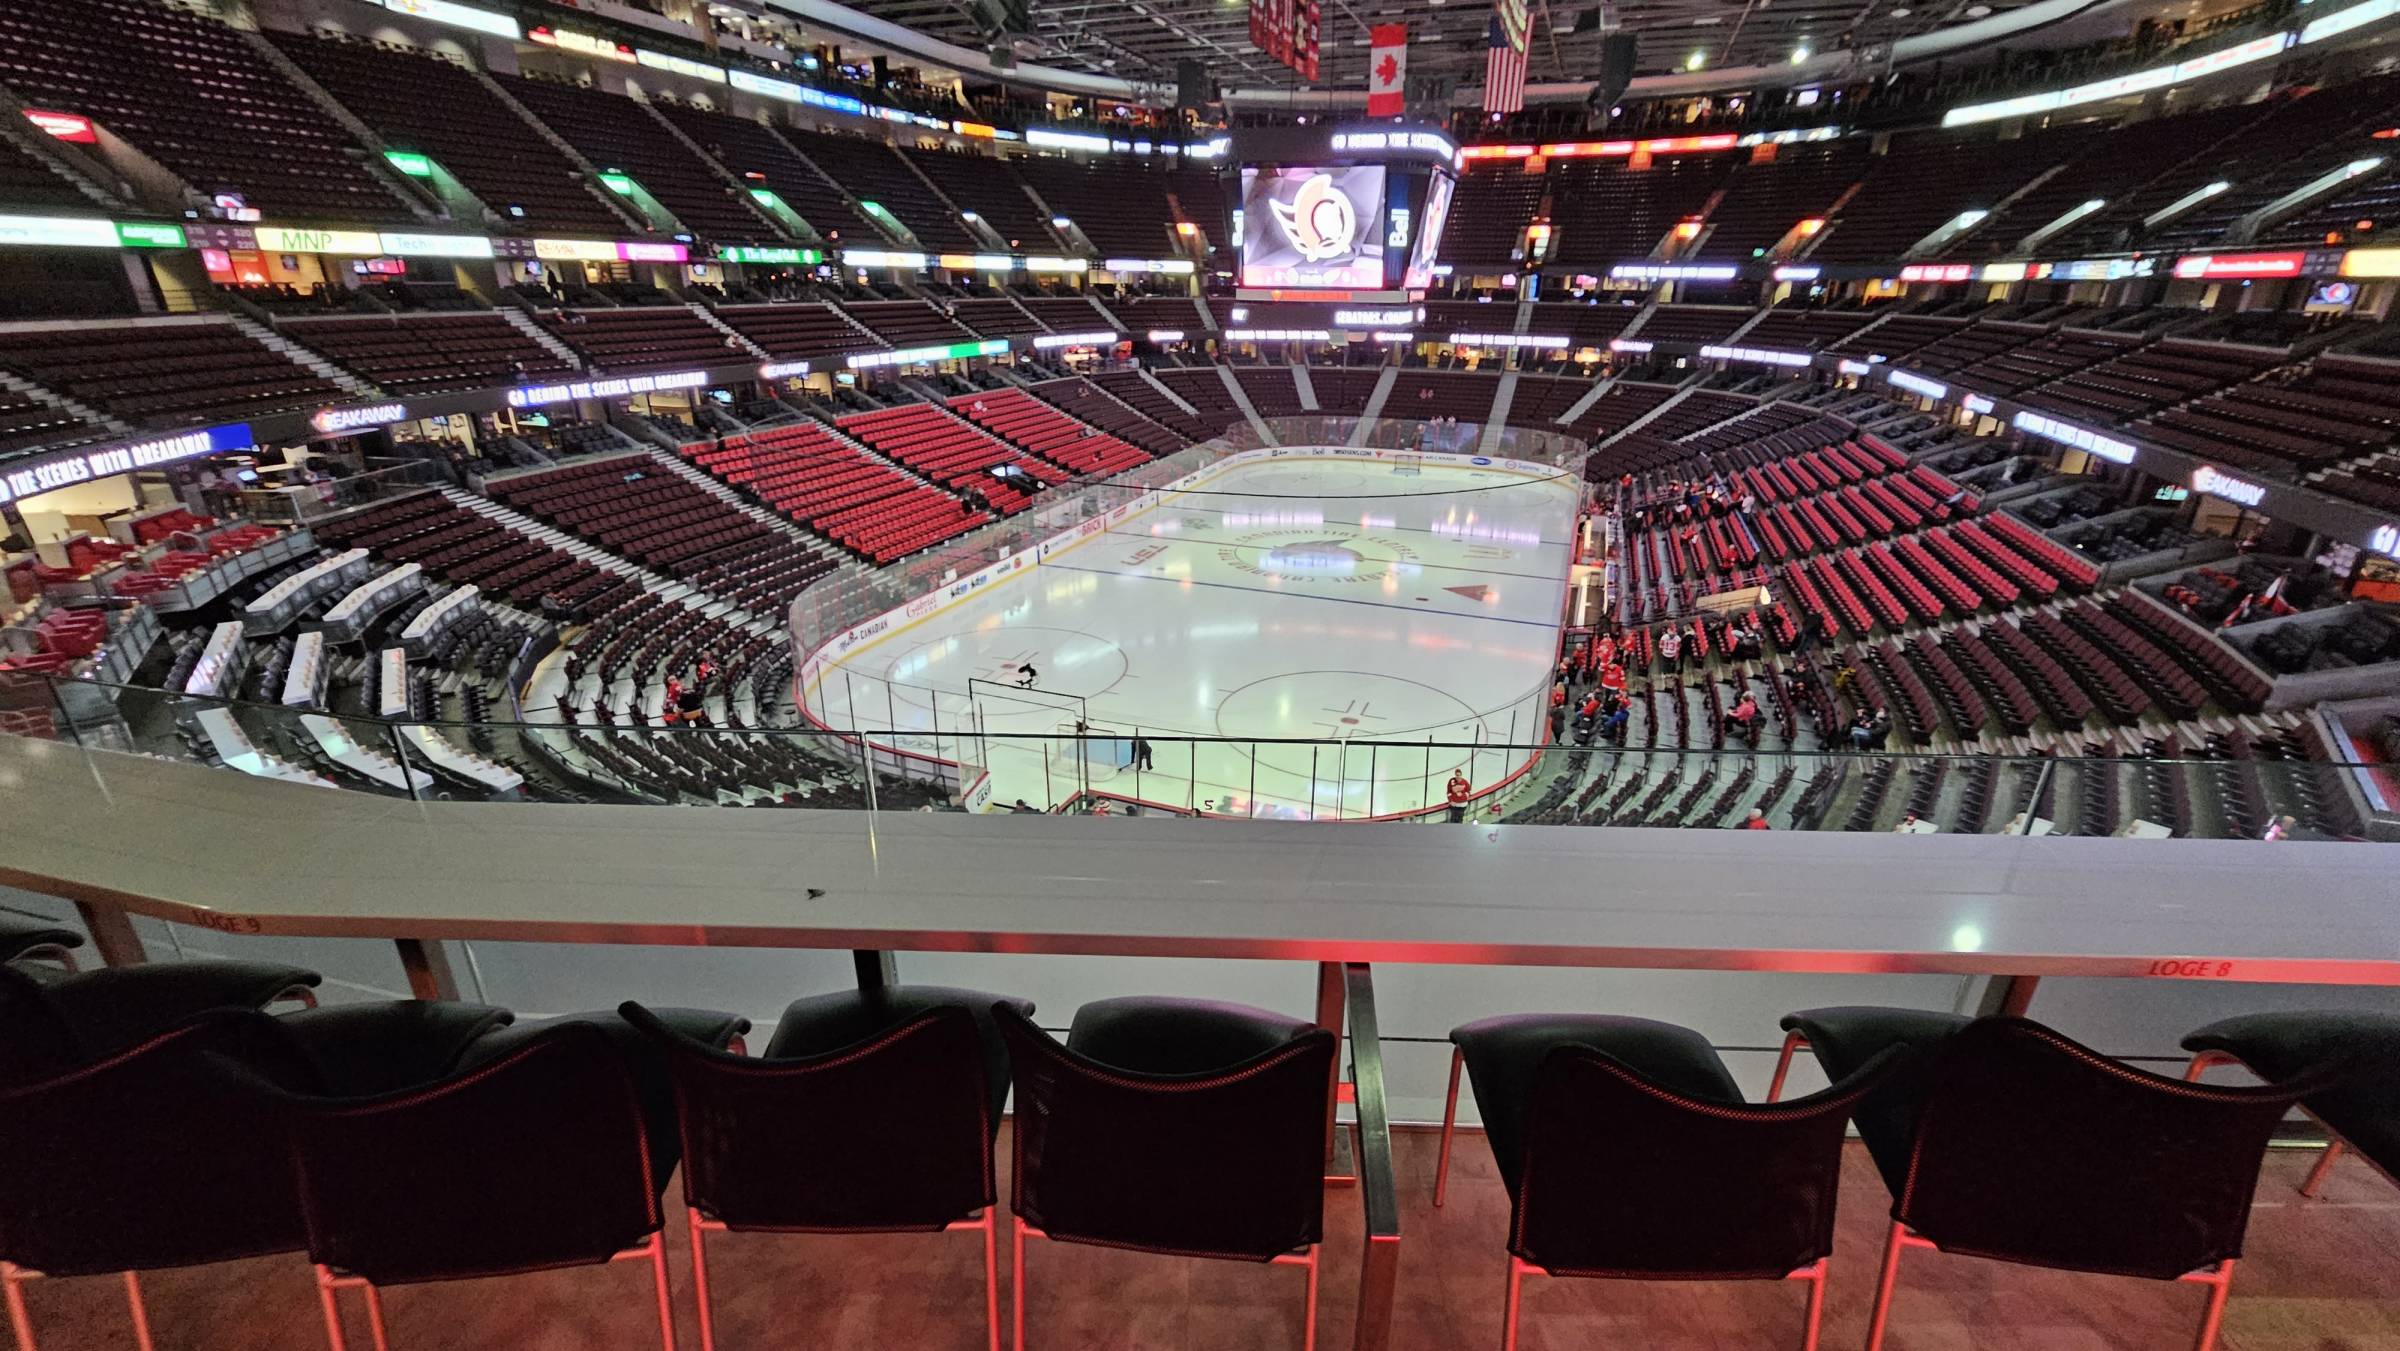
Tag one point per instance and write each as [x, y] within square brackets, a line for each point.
[1504, 58]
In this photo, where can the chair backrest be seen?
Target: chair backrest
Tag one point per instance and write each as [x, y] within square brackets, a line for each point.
[36, 1042]
[1223, 1163]
[891, 1133]
[538, 1158]
[165, 1154]
[1623, 1175]
[2032, 1148]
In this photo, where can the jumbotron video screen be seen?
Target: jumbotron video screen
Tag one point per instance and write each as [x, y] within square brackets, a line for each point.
[1313, 228]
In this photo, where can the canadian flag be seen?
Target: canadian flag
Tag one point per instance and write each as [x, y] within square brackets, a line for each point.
[1387, 70]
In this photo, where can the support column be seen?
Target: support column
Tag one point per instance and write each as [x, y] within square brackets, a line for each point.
[113, 936]
[428, 966]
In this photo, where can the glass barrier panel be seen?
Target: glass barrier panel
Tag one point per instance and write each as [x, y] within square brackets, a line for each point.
[1604, 779]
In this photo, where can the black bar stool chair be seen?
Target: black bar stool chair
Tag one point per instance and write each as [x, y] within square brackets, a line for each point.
[26, 939]
[1722, 1190]
[2024, 1146]
[535, 1158]
[2361, 1112]
[50, 1025]
[873, 1112]
[166, 1154]
[1171, 1126]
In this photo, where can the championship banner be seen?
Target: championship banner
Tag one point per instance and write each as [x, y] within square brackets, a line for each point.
[1287, 30]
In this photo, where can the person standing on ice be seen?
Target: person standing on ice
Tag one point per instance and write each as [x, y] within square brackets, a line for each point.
[1026, 675]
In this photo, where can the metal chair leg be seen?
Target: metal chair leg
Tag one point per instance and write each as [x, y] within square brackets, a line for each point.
[666, 1305]
[1516, 1289]
[2220, 1285]
[375, 1327]
[1792, 1041]
[333, 1310]
[19, 1322]
[1016, 1290]
[1308, 1333]
[2325, 1162]
[2203, 1061]
[1814, 1274]
[141, 1315]
[708, 1331]
[1441, 1169]
[1883, 1287]
[991, 1274]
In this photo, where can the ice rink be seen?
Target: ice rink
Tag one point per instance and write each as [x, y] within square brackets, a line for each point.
[1367, 625]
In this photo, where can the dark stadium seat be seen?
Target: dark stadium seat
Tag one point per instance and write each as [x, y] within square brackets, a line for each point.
[1171, 1126]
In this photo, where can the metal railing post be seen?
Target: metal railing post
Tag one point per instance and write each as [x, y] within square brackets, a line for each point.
[1378, 1191]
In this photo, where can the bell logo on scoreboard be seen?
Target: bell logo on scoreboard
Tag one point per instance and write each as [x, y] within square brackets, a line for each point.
[1319, 222]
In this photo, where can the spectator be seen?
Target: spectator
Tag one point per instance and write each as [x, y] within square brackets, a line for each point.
[1459, 791]
[1756, 820]
[1670, 647]
[1742, 720]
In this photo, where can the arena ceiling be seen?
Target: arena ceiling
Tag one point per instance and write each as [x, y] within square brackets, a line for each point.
[1141, 40]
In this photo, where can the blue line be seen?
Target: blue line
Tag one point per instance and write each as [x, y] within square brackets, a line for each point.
[1336, 600]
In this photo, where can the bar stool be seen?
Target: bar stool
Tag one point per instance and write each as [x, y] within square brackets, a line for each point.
[171, 1153]
[162, 1155]
[2024, 1146]
[1842, 1038]
[2360, 1113]
[48, 1026]
[1722, 1190]
[26, 939]
[1171, 1126]
[872, 1112]
[534, 1158]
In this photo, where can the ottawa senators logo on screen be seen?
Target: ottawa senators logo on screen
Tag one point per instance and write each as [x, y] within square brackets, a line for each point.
[1319, 221]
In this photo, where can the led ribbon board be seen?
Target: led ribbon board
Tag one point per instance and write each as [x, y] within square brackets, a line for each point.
[1049, 340]
[1759, 355]
[909, 356]
[2217, 483]
[535, 396]
[1506, 340]
[331, 420]
[1918, 384]
[26, 478]
[2068, 434]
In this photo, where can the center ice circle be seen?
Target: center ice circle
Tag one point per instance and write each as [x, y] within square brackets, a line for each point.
[1310, 556]
[1360, 705]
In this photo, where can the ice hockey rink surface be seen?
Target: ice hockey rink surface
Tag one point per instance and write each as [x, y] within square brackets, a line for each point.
[1339, 634]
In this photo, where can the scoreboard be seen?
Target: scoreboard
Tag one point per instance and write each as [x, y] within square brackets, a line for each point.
[1341, 214]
